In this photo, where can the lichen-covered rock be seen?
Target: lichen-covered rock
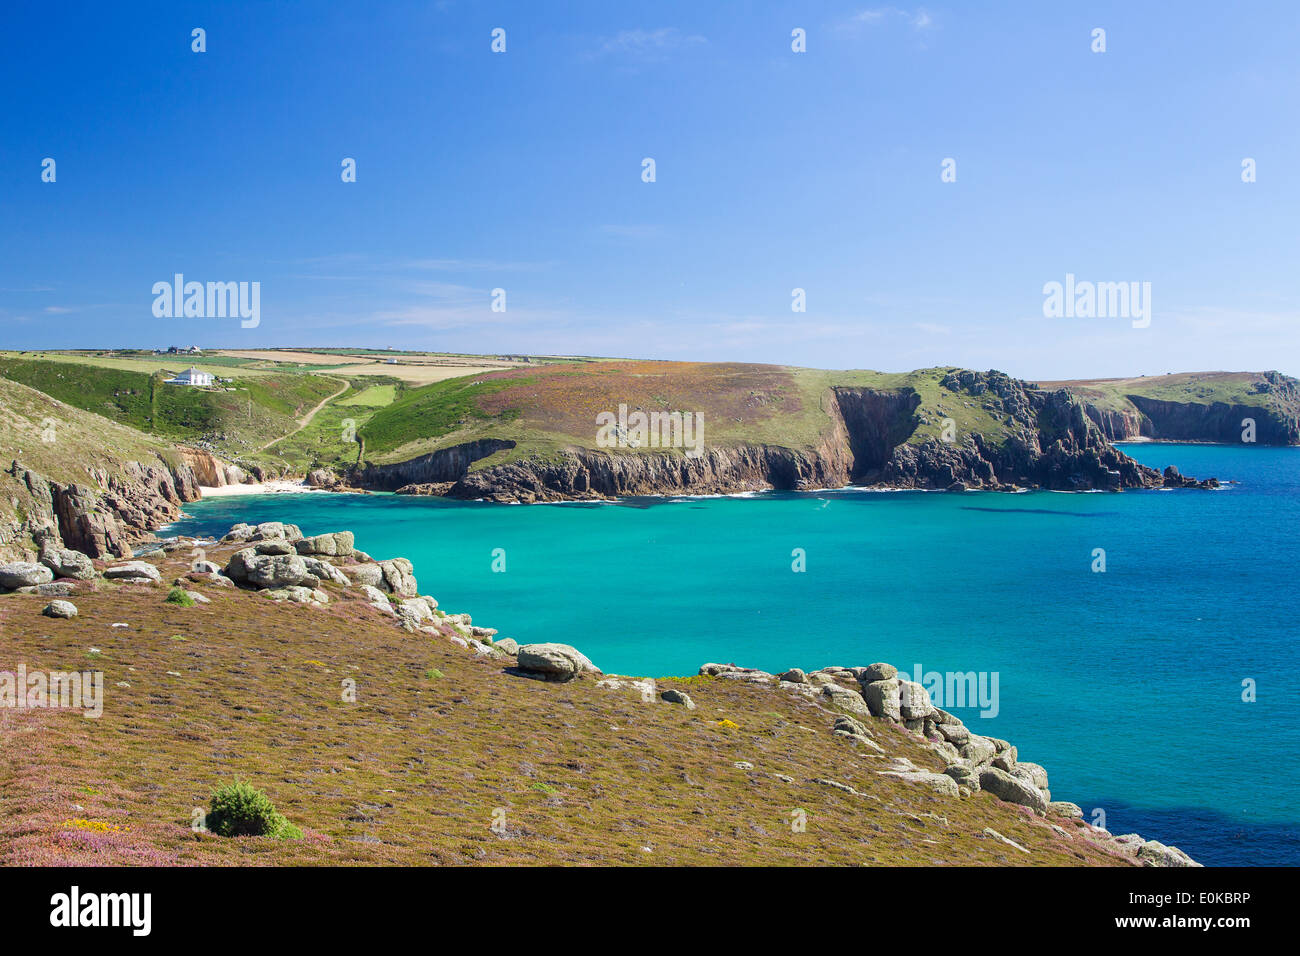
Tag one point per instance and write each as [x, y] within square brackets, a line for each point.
[55, 589]
[1063, 808]
[507, 645]
[274, 546]
[844, 701]
[964, 775]
[1031, 773]
[1155, 853]
[399, 577]
[66, 563]
[277, 571]
[133, 571]
[878, 671]
[371, 575]
[954, 733]
[847, 724]
[297, 594]
[326, 571]
[750, 675]
[1005, 759]
[940, 783]
[978, 750]
[374, 595]
[559, 662]
[268, 530]
[24, 574]
[674, 696]
[65, 609]
[914, 701]
[413, 613]
[883, 699]
[339, 544]
[1011, 789]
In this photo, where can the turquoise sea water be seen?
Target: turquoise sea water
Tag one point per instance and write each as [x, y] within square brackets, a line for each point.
[1127, 685]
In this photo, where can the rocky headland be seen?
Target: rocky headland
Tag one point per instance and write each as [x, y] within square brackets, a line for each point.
[1048, 440]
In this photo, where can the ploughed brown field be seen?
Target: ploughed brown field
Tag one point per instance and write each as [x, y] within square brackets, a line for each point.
[438, 746]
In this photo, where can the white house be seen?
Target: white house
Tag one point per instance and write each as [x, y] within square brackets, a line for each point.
[191, 376]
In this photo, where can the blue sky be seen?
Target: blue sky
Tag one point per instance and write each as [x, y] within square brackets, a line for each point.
[774, 170]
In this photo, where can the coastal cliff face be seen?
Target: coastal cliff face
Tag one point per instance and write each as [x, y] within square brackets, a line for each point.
[103, 515]
[1049, 442]
[212, 472]
[440, 467]
[1276, 416]
[585, 473]
[875, 423]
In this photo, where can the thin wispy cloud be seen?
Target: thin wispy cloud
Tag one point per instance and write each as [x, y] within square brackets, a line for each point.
[474, 265]
[918, 19]
[648, 45]
[358, 263]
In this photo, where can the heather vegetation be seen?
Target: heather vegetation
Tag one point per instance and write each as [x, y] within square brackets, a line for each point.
[441, 755]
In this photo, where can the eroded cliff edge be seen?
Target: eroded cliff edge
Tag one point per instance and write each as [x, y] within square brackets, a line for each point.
[1199, 408]
[1044, 438]
[105, 513]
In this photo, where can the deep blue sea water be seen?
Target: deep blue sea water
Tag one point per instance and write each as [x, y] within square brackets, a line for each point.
[1127, 685]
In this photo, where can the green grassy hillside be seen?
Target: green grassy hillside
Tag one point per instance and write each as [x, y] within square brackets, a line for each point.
[1195, 406]
[61, 443]
[1202, 388]
[235, 419]
[556, 406]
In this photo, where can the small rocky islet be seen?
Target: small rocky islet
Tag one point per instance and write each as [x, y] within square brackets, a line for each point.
[275, 560]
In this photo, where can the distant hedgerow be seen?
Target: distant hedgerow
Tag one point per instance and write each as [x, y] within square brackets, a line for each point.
[240, 809]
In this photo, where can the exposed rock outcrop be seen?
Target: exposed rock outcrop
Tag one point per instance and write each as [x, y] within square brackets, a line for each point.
[107, 513]
[1044, 439]
[554, 662]
[1276, 416]
[587, 473]
[23, 574]
[1051, 443]
[445, 465]
[63, 609]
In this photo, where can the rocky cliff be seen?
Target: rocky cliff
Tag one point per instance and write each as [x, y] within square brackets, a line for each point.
[1050, 442]
[75, 479]
[101, 516]
[1046, 439]
[441, 467]
[1272, 403]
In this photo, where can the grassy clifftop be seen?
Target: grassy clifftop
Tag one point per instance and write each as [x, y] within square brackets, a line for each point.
[62, 441]
[62, 444]
[1201, 388]
[556, 406]
[288, 417]
[1194, 406]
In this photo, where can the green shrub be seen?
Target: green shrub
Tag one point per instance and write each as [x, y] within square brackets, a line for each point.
[240, 809]
[179, 597]
[434, 674]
